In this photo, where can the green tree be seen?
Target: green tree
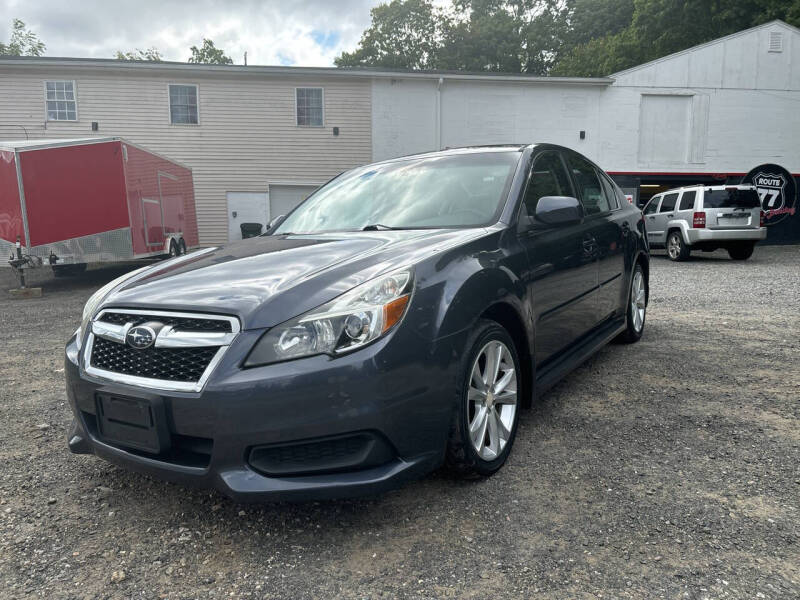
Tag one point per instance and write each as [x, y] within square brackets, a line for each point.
[404, 34]
[661, 27]
[209, 54]
[23, 42]
[150, 54]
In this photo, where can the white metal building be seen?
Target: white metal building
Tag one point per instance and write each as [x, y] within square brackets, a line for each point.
[260, 139]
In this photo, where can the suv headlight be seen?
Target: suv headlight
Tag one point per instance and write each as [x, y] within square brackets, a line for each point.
[346, 323]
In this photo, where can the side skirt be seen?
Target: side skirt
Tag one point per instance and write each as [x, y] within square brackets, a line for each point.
[552, 373]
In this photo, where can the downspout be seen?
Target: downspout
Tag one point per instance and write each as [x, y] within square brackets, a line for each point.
[439, 113]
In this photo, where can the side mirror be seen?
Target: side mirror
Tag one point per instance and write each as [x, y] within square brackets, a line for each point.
[559, 210]
[274, 223]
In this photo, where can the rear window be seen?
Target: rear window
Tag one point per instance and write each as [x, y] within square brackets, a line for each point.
[687, 201]
[669, 203]
[731, 198]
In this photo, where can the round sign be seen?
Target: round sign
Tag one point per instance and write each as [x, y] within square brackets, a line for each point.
[776, 189]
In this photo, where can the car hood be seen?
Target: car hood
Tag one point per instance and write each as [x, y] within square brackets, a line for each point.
[270, 279]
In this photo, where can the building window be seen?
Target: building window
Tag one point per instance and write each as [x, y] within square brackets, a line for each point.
[183, 104]
[309, 107]
[60, 99]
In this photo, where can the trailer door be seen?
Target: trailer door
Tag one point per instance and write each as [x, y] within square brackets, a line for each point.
[153, 224]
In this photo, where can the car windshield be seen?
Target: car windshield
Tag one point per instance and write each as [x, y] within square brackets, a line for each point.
[731, 198]
[457, 190]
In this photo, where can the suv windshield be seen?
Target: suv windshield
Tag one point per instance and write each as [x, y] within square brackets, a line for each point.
[731, 198]
[460, 190]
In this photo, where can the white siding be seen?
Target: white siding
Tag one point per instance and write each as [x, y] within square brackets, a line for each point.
[246, 138]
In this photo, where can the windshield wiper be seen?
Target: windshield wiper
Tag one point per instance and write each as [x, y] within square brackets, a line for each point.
[380, 227]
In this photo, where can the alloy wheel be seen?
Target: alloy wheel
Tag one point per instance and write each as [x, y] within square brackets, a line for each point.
[492, 400]
[638, 301]
[673, 246]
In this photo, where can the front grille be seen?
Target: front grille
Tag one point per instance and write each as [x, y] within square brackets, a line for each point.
[169, 364]
[179, 323]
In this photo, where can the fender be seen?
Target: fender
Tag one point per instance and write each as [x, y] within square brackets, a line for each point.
[678, 224]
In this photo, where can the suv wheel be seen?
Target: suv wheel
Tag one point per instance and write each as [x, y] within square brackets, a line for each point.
[637, 307]
[741, 251]
[676, 249]
[485, 422]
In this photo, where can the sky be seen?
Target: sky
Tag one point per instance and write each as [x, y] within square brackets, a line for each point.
[273, 32]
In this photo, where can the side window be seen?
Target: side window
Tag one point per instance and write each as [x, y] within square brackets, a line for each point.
[668, 205]
[590, 191]
[548, 178]
[687, 201]
[652, 205]
[610, 191]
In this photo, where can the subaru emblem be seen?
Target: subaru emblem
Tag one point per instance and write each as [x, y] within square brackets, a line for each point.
[140, 337]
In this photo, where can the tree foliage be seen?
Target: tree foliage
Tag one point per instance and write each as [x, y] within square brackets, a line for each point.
[209, 54]
[559, 37]
[23, 42]
[150, 54]
[405, 34]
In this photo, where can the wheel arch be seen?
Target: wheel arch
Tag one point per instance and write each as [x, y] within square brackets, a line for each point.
[506, 315]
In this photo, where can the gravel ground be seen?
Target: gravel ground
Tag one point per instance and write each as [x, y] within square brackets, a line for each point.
[666, 469]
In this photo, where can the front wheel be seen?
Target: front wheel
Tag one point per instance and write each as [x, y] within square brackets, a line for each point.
[486, 419]
[741, 251]
[677, 250]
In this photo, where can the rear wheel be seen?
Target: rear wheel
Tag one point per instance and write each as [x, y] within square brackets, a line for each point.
[677, 250]
[637, 307]
[741, 251]
[485, 422]
[173, 249]
[181, 247]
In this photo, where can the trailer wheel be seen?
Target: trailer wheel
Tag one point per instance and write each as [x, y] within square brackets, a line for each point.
[173, 249]
[181, 247]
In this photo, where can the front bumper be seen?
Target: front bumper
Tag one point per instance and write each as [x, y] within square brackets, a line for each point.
[396, 394]
[696, 236]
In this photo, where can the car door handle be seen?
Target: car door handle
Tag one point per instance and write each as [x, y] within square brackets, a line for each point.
[670, 215]
[651, 218]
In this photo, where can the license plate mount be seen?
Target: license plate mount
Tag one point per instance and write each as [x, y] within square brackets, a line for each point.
[136, 423]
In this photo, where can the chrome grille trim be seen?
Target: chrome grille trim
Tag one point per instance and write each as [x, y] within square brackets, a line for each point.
[167, 338]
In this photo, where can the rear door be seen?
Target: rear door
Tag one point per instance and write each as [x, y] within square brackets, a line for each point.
[685, 209]
[563, 263]
[732, 208]
[613, 228]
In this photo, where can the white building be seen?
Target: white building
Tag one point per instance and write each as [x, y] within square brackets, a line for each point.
[259, 139]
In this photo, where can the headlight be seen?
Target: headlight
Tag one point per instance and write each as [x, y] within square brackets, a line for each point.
[350, 321]
[94, 302]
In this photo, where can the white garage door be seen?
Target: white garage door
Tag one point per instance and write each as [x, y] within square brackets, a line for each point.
[283, 198]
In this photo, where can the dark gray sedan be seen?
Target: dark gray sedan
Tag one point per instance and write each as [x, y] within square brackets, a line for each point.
[397, 320]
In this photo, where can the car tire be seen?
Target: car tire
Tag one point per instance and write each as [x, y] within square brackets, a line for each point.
[173, 249]
[741, 251]
[485, 420]
[636, 309]
[677, 250]
[181, 247]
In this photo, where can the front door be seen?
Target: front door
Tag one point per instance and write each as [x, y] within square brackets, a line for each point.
[246, 207]
[563, 274]
[659, 220]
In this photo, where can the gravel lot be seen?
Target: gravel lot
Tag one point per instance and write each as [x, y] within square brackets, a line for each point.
[666, 469]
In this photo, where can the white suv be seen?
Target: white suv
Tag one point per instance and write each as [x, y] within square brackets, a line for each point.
[704, 217]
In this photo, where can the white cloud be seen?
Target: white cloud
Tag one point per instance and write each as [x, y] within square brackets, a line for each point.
[302, 33]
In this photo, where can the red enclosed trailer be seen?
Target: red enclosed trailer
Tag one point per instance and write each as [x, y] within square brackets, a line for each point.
[72, 202]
